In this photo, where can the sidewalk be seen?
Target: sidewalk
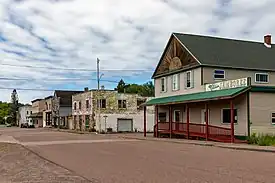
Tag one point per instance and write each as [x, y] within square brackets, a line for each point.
[246, 147]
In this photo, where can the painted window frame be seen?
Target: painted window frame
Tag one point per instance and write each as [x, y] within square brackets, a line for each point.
[218, 74]
[87, 103]
[272, 118]
[165, 117]
[258, 73]
[175, 80]
[190, 79]
[174, 115]
[120, 104]
[163, 85]
[230, 114]
[75, 107]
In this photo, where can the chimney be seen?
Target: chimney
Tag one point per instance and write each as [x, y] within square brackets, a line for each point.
[267, 40]
[86, 89]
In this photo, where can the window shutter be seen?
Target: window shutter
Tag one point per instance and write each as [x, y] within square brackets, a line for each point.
[192, 79]
[178, 81]
[165, 84]
[185, 80]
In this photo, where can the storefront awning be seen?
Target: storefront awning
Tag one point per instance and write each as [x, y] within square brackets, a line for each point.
[197, 97]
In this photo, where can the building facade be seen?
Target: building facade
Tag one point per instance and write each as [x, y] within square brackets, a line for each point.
[62, 107]
[47, 113]
[38, 106]
[24, 113]
[215, 88]
[108, 110]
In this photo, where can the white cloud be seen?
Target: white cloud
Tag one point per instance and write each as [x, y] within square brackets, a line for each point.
[123, 34]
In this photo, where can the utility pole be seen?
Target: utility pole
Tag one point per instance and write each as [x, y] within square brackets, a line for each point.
[98, 100]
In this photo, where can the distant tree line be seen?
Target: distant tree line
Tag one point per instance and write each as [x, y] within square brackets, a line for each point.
[147, 89]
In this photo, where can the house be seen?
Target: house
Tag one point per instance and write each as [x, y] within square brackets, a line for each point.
[105, 110]
[24, 113]
[214, 88]
[47, 113]
[37, 112]
[62, 106]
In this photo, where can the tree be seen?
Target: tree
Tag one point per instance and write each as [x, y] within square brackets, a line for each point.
[121, 86]
[146, 89]
[14, 106]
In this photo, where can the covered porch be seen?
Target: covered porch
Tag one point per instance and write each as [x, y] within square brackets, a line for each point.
[214, 115]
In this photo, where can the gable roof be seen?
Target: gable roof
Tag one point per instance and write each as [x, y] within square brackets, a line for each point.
[224, 52]
[66, 96]
[214, 51]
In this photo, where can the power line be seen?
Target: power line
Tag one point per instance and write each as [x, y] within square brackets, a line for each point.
[74, 69]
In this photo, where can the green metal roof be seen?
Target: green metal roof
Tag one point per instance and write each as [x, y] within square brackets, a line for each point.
[196, 97]
[223, 52]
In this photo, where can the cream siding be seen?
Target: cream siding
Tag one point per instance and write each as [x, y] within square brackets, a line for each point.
[196, 84]
[208, 75]
[262, 105]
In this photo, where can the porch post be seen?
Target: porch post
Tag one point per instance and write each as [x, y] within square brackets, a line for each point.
[170, 120]
[206, 120]
[232, 120]
[157, 120]
[187, 120]
[144, 121]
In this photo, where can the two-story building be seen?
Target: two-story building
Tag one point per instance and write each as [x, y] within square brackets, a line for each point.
[109, 110]
[62, 106]
[47, 113]
[214, 88]
[24, 113]
[37, 112]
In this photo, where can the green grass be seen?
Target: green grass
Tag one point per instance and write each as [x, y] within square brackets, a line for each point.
[262, 139]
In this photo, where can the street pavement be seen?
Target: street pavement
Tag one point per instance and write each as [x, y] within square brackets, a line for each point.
[110, 159]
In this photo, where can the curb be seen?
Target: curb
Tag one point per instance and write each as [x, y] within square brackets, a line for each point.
[206, 144]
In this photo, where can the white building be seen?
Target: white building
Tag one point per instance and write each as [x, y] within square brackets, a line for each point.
[24, 113]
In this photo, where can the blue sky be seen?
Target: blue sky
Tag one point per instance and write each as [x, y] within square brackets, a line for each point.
[127, 35]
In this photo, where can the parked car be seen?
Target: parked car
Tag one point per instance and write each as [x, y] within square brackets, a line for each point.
[27, 125]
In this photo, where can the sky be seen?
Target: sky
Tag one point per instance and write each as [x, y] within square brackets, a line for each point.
[54, 44]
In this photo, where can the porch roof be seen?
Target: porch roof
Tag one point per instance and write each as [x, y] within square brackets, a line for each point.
[197, 97]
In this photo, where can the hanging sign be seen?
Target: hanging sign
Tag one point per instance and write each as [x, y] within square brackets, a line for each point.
[242, 82]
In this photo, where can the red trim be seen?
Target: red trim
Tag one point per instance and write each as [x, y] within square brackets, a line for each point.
[157, 119]
[170, 120]
[144, 122]
[187, 120]
[232, 120]
[206, 121]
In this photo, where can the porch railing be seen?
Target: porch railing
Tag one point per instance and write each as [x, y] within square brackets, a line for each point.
[196, 130]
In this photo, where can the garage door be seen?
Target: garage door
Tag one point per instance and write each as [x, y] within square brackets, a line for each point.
[124, 125]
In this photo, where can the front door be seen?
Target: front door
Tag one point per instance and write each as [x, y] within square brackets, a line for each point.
[203, 119]
[177, 118]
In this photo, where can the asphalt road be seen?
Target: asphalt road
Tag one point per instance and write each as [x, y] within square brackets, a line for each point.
[109, 159]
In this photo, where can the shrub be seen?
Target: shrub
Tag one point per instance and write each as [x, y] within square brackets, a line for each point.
[262, 139]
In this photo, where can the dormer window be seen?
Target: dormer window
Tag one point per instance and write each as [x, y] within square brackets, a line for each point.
[219, 74]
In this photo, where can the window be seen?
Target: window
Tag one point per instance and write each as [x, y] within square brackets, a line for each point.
[27, 112]
[175, 82]
[188, 79]
[162, 117]
[87, 104]
[102, 103]
[273, 118]
[74, 105]
[121, 104]
[261, 78]
[46, 106]
[31, 112]
[79, 105]
[226, 116]
[219, 74]
[163, 84]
